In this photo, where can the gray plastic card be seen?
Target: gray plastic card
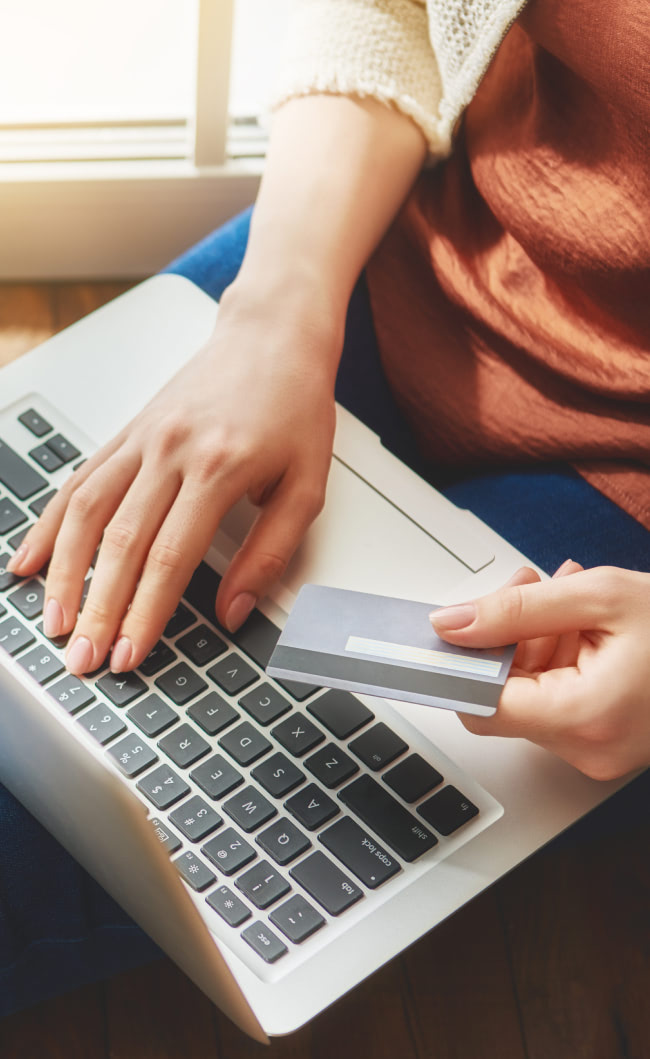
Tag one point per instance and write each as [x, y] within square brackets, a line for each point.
[378, 645]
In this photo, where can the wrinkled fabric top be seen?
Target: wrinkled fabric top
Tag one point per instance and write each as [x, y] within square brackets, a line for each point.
[512, 295]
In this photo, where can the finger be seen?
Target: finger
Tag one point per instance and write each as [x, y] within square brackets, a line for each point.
[539, 708]
[180, 544]
[38, 544]
[89, 509]
[126, 541]
[586, 600]
[535, 655]
[270, 544]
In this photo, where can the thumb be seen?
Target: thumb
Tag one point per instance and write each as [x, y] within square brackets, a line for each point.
[522, 612]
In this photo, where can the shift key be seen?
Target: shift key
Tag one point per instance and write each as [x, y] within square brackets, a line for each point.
[384, 815]
[17, 475]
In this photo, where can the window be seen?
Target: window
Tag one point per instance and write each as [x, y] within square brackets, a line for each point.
[119, 117]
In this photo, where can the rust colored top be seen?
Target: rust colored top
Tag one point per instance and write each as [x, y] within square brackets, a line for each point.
[511, 297]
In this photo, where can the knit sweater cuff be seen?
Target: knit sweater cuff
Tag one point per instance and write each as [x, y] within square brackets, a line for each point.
[366, 48]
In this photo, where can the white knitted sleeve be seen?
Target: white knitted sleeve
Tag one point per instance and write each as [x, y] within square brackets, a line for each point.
[424, 57]
[376, 48]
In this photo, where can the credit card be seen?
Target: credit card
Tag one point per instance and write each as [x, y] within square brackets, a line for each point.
[379, 645]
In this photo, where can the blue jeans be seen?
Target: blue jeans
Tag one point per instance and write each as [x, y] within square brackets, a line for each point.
[58, 928]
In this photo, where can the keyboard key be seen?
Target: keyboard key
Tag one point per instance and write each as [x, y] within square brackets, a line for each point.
[38, 506]
[152, 715]
[212, 713]
[412, 778]
[159, 656]
[311, 807]
[3, 611]
[28, 599]
[132, 756]
[384, 815]
[297, 919]
[41, 665]
[62, 448]
[265, 943]
[35, 422]
[229, 906]
[121, 688]
[245, 743]
[102, 724]
[14, 636]
[10, 515]
[165, 835]
[196, 819]
[378, 746]
[341, 713]
[163, 786]
[257, 638]
[201, 645]
[326, 883]
[448, 810]
[262, 884]
[181, 683]
[216, 777]
[45, 458]
[184, 745]
[265, 704]
[18, 538]
[202, 591]
[194, 871]
[7, 580]
[56, 641]
[232, 674]
[71, 693]
[229, 851]
[17, 475]
[297, 734]
[359, 851]
[249, 808]
[181, 619]
[331, 765]
[283, 841]
[298, 691]
[277, 775]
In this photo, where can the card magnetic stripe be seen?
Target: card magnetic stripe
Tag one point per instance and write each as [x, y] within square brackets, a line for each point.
[399, 678]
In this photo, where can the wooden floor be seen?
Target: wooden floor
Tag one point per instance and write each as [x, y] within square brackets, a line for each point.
[553, 962]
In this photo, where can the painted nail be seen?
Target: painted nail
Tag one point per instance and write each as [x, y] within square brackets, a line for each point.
[239, 610]
[79, 655]
[457, 617]
[17, 558]
[52, 619]
[564, 568]
[121, 655]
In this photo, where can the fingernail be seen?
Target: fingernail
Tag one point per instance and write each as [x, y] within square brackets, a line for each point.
[563, 568]
[453, 617]
[79, 655]
[16, 559]
[52, 619]
[121, 655]
[239, 610]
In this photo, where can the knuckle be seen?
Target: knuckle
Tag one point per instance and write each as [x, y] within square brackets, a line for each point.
[270, 565]
[311, 498]
[84, 501]
[171, 434]
[119, 536]
[164, 556]
[212, 460]
[510, 606]
[97, 612]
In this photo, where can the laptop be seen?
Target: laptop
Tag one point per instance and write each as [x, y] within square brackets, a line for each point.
[279, 840]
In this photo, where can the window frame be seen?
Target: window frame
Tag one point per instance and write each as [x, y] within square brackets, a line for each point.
[120, 199]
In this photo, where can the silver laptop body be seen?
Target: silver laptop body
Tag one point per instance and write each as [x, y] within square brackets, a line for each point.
[382, 530]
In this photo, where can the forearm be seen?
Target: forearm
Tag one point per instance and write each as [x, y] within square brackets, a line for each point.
[337, 172]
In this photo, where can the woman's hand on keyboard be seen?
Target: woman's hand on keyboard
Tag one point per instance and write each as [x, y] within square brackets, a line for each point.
[252, 414]
[580, 684]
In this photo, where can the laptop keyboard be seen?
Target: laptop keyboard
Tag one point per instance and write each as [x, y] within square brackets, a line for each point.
[285, 807]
